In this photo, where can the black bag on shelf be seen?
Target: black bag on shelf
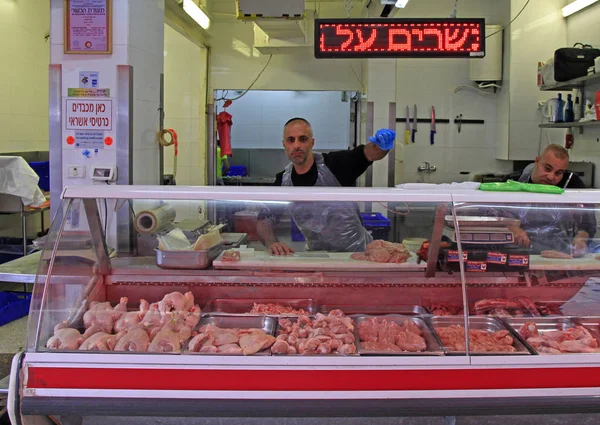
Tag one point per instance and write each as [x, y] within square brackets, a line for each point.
[573, 62]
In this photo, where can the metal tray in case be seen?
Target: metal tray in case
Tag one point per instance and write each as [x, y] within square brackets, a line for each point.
[377, 310]
[434, 347]
[294, 319]
[265, 323]
[549, 324]
[489, 324]
[201, 259]
[244, 305]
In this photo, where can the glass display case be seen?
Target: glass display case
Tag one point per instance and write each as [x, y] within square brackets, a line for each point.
[177, 294]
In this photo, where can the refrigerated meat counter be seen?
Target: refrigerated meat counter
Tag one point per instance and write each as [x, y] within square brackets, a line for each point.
[375, 329]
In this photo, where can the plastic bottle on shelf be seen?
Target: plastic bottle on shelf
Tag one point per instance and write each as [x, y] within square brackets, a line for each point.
[569, 114]
[577, 109]
[569, 140]
[560, 109]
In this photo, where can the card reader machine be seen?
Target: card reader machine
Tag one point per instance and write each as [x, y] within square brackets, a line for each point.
[104, 174]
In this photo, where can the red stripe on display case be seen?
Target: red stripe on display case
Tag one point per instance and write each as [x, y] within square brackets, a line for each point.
[310, 380]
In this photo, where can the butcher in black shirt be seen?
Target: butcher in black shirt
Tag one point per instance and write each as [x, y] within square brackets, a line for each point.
[325, 225]
[347, 166]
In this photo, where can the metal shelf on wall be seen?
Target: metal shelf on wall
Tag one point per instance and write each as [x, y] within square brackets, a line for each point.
[579, 125]
[576, 83]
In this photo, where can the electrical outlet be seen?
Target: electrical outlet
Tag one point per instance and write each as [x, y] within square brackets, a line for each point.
[76, 171]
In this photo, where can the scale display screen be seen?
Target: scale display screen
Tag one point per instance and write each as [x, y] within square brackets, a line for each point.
[397, 38]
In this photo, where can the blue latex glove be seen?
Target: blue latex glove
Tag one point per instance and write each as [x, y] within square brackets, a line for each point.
[384, 139]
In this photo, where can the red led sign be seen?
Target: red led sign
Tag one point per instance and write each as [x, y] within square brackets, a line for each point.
[394, 38]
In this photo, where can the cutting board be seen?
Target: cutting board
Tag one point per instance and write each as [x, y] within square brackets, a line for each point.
[338, 261]
[587, 262]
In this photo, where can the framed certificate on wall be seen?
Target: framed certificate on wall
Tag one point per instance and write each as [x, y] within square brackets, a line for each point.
[88, 26]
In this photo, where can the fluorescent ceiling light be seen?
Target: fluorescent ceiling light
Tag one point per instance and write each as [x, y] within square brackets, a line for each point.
[196, 13]
[401, 3]
[576, 6]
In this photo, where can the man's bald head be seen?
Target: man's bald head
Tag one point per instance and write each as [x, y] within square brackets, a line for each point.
[550, 166]
[298, 141]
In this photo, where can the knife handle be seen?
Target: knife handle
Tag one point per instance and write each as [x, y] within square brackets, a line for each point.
[432, 137]
[413, 135]
[406, 137]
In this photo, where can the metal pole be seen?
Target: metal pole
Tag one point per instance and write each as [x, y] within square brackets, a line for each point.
[55, 136]
[161, 126]
[392, 153]
[369, 129]
[125, 230]
[98, 236]
[211, 149]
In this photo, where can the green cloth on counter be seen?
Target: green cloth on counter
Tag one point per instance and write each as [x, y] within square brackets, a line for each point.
[513, 186]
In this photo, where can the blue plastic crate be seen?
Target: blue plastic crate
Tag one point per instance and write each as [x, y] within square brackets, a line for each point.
[43, 170]
[297, 235]
[13, 306]
[238, 170]
[377, 224]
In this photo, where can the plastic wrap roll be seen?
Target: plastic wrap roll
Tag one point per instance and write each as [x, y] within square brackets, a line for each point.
[154, 220]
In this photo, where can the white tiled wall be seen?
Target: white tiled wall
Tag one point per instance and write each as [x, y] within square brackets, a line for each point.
[535, 35]
[259, 116]
[145, 54]
[236, 64]
[583, 27]
[185, 91]
[24, 59]
[432, 82]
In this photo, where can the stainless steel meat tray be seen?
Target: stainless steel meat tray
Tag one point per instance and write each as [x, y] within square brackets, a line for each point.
[434, 347]
[244, 305]
[294, 319]
[377, 310]
[549, 324]
[265, 323]
[201, 259]
[489, 324]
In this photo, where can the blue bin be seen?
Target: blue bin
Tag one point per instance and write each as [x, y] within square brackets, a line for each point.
[297, 235]
[43, 170]
[238, 170]
[13, 306]
[377, 224]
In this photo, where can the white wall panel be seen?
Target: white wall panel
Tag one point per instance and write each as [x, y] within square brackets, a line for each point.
[259, 116]
[24, 59]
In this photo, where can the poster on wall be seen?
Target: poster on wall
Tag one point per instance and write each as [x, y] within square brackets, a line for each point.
[88, 28]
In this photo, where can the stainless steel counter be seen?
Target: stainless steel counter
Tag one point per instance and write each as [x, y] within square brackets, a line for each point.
[248, 181]
[21, 270]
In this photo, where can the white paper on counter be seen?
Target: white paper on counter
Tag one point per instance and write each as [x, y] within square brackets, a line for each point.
[18, 178]
[439, 187]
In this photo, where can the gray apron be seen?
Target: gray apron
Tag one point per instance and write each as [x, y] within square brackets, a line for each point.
[328, 226]
[549, 226]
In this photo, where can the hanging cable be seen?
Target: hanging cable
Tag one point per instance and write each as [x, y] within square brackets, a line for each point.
[357, 79]
[513, 20]
[348, 6]
[166, 143]
[453, 14]
[251, 85]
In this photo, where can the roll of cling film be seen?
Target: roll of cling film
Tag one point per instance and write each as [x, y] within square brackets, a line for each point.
[168, 137]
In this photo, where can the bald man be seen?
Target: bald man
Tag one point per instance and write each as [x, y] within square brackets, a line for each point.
[566, 228]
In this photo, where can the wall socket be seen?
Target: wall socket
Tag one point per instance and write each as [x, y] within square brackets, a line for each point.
[76, 171]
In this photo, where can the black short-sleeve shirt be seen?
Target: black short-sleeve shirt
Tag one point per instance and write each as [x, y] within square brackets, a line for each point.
[346, 166]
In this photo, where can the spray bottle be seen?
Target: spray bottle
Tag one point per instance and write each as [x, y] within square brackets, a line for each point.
[569, 140]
